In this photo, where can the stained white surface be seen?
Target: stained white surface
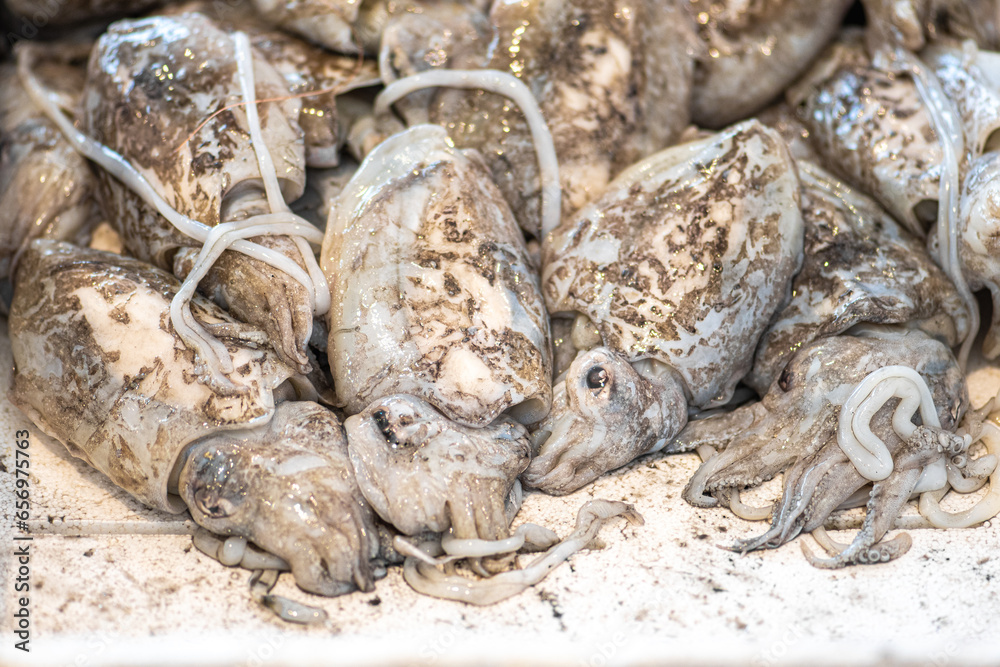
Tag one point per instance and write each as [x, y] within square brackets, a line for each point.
[654, 594]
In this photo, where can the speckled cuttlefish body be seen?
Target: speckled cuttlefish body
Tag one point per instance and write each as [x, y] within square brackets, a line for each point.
[100, 368]
[672, 276]
[151, 85]
[438, 338]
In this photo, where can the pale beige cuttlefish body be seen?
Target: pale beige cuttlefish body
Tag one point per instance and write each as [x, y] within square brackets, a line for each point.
[99, 367]
[438, 339]
[306, 68]
[46, 187]
[749, 51]
[151, 84]
[672, 276]
[872, 128]
[612, 80]
[882, 132]
[859, 266]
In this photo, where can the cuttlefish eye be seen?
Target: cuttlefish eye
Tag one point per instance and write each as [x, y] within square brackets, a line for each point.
[785, 380]
[597, 378]
[381, 418]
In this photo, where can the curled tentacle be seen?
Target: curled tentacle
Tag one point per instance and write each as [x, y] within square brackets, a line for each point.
[847, 381]
[527, 537]
[854, 435]
[987, 508]
[429, 580]
[236, 551]
[501, 83]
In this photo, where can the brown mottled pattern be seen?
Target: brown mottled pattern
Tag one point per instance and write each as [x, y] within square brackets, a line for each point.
[859, 266]
[685, 258]
[305, 68]
[46, 187]
[151, 83]
[601, 78]
[975, 98]
[873, 130]
[99, 367]
[432, 291]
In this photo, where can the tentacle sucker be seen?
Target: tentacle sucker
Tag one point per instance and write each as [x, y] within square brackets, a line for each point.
[987, 508]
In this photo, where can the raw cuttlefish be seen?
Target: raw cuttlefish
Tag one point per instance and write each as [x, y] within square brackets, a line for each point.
[151, 85]
[436, 325]
[795, 429]
[100, 368]
[672, 276]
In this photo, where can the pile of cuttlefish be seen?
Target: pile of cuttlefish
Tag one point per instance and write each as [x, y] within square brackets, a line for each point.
[337, 278]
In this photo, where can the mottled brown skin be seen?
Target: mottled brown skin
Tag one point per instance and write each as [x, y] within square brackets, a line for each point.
[100, 368]
[433, 294]
[793, 430]
[150, 84]
[422, 473]
[859, 266]
[313, 514]
[966, 82]
[677, 267]
[751, 50]
[685, 263]
[872, 129]
[46, 187]
[92, 341]
[305, 68]
[611, 78]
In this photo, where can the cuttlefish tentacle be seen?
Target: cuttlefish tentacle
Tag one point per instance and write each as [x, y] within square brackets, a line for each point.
[794, 430]
[887, 500]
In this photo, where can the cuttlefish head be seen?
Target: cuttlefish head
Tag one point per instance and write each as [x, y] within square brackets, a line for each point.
[423, 472]
[604, 414]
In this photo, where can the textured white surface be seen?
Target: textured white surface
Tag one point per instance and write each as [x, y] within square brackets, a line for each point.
[653, 594]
